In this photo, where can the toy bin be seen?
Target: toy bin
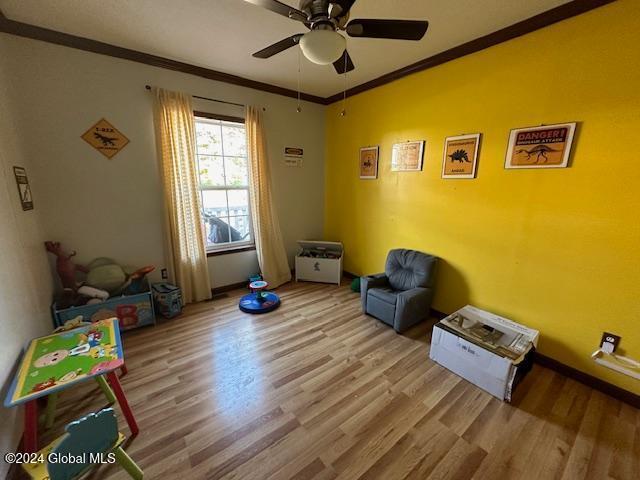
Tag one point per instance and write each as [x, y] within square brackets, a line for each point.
[319, 261]
[167, 299]
[132, 311]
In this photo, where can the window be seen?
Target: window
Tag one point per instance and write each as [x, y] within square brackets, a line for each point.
[224, 182]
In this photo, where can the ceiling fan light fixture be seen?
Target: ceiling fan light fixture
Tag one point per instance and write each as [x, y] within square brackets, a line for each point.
[323, 46]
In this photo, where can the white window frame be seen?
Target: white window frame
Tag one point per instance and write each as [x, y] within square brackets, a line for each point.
[228, 247]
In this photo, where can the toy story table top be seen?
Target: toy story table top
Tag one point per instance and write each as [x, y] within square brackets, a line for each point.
[57, 361]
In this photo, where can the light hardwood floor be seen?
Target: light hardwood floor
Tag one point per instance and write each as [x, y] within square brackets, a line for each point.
[316, 390]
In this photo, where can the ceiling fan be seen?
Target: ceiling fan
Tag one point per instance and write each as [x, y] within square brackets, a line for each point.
[324, 18]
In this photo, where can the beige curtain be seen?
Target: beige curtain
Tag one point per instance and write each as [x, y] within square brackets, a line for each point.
[272, 256]
[175, 136]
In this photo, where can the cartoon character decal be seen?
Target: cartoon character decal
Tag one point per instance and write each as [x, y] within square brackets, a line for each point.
[104, 366]
[97, 352]
[69, 376]
[38, 387]
[51, 358]
[94, 337]
[111, 350]
[106, 350]
[57, 361]
[89, 344]
[82, 349]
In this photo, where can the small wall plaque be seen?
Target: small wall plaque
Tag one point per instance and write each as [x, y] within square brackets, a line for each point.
[24, 190]
[292, 162]
[293, 152]
[105, 138]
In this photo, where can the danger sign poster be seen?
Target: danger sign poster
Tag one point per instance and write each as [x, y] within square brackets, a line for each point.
[546, 146]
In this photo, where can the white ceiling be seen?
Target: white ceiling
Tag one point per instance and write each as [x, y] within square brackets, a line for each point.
[222, 34]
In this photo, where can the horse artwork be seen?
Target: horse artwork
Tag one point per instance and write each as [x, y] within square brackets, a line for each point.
[546, 146]
[460, 156]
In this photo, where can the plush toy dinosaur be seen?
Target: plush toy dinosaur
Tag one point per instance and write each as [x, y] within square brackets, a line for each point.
[64, 266]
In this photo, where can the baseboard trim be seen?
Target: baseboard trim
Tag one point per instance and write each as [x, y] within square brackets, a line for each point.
[577, 375]
[438, 314]
[228, 288]
[589, 380]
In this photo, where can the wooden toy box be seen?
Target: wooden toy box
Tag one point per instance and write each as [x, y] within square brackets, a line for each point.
[133, 311]
[319, 261]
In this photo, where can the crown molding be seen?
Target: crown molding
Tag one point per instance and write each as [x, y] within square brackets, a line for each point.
[52, 36]
[544, 19]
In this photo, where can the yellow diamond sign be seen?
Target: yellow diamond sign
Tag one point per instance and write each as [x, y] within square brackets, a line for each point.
[105, 138]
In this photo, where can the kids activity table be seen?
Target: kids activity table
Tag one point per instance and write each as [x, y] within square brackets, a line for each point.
[56, 362]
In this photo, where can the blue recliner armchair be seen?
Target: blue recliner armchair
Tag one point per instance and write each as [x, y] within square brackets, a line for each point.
[402, 295]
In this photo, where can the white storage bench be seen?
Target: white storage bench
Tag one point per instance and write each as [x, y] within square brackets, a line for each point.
[319, 261]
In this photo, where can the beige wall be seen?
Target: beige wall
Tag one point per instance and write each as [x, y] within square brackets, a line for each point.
[102, 207]
[49, 96]
[25, 281]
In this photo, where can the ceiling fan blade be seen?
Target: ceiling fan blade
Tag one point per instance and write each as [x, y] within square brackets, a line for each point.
[344, 6]
[339, 64]
[394, 29]
[278, 47]
[281, 9]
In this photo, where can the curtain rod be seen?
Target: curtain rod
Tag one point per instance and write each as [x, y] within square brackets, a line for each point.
[148, 87]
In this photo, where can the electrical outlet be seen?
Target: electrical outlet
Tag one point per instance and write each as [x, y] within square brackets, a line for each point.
[609, 342]
[164, 274]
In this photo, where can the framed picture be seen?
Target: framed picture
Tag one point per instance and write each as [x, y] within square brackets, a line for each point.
[460, 156]
[546, 146]
[407, 157]
[369, 162]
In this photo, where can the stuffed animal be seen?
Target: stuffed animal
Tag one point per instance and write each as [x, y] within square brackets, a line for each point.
[106, 274]
[93, 293]
[103, 274]
[64, 265]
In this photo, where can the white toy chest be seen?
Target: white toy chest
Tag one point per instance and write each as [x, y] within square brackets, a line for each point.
[319, 261]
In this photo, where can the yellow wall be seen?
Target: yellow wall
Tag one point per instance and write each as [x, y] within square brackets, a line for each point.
[555, 249]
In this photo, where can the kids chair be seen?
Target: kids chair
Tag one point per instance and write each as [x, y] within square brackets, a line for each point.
[401, 296]
[88, 441]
